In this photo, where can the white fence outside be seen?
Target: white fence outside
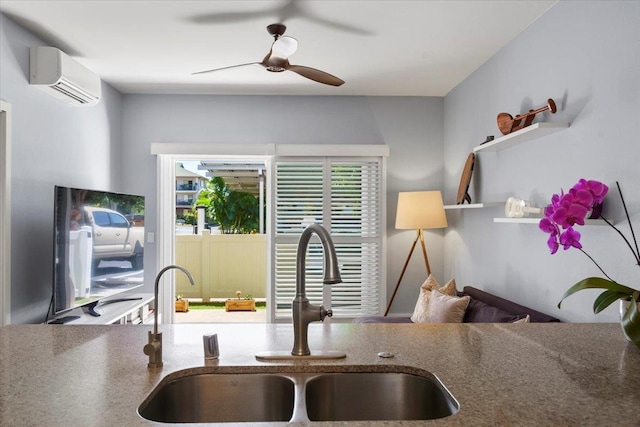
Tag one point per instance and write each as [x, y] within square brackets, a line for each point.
[222, 264]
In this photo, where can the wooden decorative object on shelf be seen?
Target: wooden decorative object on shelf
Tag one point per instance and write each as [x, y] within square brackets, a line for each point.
[507, 123]
[182, 305]
[465, 179]
[240, 305]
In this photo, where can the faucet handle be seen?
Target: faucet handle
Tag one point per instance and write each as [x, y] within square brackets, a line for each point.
[324, 313]
[153, 349]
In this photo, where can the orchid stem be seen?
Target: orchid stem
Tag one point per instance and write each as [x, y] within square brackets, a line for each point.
[624, 205]
[597, 265]
[624, 237]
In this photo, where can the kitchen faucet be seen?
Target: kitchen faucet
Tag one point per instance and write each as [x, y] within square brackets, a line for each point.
[303, 311]
[154, 348]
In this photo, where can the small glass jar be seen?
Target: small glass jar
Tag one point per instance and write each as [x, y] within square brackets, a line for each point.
[519, 208]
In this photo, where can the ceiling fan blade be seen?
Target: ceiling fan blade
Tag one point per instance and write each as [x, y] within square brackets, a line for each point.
[315, 75]
[225, 68]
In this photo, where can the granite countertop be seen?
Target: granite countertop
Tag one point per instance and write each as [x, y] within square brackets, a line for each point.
[501, 374]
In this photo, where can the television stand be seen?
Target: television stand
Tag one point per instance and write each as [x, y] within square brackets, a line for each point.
[91, 308]
[63, 320]
[133, 309]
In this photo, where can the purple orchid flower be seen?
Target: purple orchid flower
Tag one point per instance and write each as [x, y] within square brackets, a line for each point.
[569, 209]
[548, 226]
[570, 238]
[589, 193]
[569, 212]
[597, 190]
[553, 244]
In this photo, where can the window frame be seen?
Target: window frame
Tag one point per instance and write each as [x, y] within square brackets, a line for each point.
[5, 213]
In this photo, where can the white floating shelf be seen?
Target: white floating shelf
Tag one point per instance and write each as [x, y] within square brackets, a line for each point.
[533, 131]
[473, 206]
[517, 220]
[537, 220]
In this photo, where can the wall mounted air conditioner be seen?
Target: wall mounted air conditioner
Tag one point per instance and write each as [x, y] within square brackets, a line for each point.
[60, 75]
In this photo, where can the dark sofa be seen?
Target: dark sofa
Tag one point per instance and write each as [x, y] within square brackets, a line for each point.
[483, 308]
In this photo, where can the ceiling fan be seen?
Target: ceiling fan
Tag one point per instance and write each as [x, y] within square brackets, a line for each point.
[277, 60]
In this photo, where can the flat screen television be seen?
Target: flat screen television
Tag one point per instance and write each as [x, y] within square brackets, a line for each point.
[98, 247]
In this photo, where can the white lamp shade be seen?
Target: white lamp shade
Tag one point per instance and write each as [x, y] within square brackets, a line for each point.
[420, 210]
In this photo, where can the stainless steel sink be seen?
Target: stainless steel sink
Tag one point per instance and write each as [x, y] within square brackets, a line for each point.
[377, 396]
[303, 394]
[209, 398]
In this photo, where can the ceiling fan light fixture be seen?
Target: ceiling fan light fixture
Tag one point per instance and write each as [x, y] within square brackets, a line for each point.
[284, 47]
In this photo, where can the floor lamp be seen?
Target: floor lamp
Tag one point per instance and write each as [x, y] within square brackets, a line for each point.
[418, 210]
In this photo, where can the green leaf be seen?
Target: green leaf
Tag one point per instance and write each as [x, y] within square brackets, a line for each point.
[597, 283]
[605, 299]
[631, 320]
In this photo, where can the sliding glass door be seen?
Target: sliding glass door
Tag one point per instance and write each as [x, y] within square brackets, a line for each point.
[343, 191]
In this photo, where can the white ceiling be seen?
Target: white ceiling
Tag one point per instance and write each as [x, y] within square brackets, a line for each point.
[400, 48]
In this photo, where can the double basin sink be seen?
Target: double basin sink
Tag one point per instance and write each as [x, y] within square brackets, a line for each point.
[299, 394]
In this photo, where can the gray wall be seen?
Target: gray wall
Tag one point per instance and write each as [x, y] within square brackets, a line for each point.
[585, 55]
[411, 126]
[53, 143]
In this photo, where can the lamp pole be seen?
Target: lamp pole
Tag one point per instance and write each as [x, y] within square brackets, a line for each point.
[420, 235]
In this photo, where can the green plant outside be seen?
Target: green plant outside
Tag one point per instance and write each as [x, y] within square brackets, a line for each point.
[190, 217]
[235, 212]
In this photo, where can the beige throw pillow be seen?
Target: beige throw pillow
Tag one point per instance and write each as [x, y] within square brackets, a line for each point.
[526, 319]
[446, 309]
[430, 285]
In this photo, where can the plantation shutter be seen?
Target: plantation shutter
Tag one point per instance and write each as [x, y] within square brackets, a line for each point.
[345, 196]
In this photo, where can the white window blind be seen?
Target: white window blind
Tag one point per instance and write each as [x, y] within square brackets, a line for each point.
[345, 196]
